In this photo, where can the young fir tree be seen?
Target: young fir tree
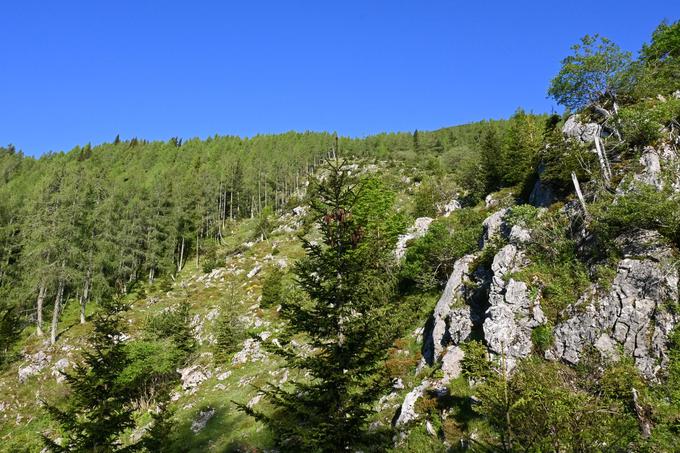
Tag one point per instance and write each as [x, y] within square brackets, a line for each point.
[345, 316]
[99, 408]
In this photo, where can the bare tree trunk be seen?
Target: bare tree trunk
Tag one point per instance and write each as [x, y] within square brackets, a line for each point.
[84, 298]
[56, 311]
[39, 308]
[181, 256]
[579, 194]
[602, 156]
[645, 425]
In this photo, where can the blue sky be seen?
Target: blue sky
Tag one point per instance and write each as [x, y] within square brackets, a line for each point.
[73, 72]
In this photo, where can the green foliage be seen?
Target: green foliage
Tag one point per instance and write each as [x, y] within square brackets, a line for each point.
[152, 367]
[560, 158]
[429, 260]
[430, 196]
[595, 74]
[346, 318]
[475, 364]
[10, 329]
[174, 324]
[642, 207]
[542, 338]
[230, 332]
[658, 71]
[272, 288]
[556, 271]
[642, 123]
[99, 408]
[540, 409]
[522, 144]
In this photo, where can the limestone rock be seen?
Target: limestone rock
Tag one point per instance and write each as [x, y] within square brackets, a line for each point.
[494, 226]
[541, 195]
[251, 352]
[407, 413]
[37, 362]
[652, 168]
[256, 270]
[192, 376]
[449, 207]
[59, 368]
[584, 132]
[631, 314]
[451, 320]
[512, 313]
[202, 420]
[422, 224]
[451, 363]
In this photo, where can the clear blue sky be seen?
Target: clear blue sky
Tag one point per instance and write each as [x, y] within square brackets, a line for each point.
[73, 72]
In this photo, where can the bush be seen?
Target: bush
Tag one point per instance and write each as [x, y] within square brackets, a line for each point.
[429, 260]
[230, 332]
[542, 338]
[642, 124]
[174, 324]
[475, 364]
[152, 367]
[272, 288]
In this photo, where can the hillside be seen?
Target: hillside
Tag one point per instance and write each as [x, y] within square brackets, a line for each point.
[500, 286]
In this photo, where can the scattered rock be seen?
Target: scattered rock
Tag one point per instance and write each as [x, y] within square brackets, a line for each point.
[223, 376]
[631, 314]
[449, 207]
[59, 368]
[193, 376]
[420, 227]
[256, 399]
[256, 270]
[451, 320]
[407, 413]
[37, 362]
[250, 352]
[202, 420]
[574, 129]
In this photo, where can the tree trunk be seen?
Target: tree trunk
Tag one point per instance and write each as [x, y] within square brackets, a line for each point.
[84, 298]
[181, 256]
[39, 308]
[579, 194]
[55, 312]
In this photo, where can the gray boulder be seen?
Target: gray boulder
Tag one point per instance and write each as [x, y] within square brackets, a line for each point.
[631, 315]
[584, 132]
[451, 320]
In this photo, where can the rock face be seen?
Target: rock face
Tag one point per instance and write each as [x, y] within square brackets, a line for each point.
[512, 312]
[407, 412]
[632, 313]
[420, 227]
[584, 132]
[451, 320]
[493, 226]
[652, 168]
[37, 362]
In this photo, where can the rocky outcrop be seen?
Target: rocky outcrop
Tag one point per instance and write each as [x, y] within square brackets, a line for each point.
[583, 132]
[632, 315]
[419, 228]
[193, 376]
[651, 173]
[494, 226]
[512, 312]
[202, 419]
[37, 362]
[451, 320]
[407, 413]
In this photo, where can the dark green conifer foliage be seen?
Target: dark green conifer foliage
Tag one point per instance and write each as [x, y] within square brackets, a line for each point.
[344, 315]
[99, 408]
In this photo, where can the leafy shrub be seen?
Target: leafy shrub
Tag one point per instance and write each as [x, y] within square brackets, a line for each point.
[642, 207]
[230, 332]
[475, 364]
[642, 123]
[431, 194]
[542, 338]
[539, 408]
[272, 287]
[153, 365]
[174, 324]
[429, 260]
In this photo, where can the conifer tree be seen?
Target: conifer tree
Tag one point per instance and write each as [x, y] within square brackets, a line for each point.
[99, 408]
[344, 316]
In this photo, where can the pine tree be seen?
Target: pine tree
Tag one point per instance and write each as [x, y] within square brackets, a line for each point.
[345, 317]
[99, 408]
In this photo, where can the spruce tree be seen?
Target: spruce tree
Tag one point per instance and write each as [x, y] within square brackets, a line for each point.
[99, 408]
[345, 316]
